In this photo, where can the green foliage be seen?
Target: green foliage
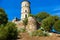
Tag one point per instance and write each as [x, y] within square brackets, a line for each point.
[39, 33]
[57, 26]
[22, 30]
[3, 33]
[8, 32]
[12, 30]
[48, 23]
[25, 21]
[56, 18]
[41, 16]
[30, 15]
[3, 17]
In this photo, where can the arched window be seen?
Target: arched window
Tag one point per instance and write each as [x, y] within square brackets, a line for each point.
[25, 15]
[25, 10]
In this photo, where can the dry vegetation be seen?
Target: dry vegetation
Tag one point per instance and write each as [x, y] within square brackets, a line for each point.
[25, 36]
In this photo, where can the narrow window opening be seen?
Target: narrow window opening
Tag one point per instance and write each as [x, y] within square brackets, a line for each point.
[26, 16]
[25, 4]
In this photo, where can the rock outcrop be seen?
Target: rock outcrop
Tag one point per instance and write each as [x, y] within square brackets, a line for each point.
[31, 25]
[20, 25]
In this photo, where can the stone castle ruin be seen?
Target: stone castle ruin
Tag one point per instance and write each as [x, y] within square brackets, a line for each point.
[25, 10]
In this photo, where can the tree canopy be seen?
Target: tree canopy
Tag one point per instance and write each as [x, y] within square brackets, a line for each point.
[57, 26]
[48, 22]
[42, 15]
[3, 17]
[8, 30]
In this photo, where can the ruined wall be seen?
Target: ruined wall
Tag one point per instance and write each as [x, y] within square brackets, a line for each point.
[31, 25]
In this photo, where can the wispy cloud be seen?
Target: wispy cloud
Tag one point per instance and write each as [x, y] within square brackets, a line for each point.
[58, 14]
[56, 9]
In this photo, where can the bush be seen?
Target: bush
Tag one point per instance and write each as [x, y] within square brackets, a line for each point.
[3, 33]
[12, 31]
[25, 21]
[22, 30]
[39, 33]
[8, 32]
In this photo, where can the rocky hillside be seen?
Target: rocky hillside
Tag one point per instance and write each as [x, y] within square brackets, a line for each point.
[25, 36]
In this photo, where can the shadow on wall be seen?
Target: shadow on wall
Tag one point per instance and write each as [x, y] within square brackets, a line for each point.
[38, 25]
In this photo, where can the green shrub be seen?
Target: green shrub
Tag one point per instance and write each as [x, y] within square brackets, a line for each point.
[8, 32]
[25, 21]
[3, 33]
[12, 31]
[22, 30]
[39, 33]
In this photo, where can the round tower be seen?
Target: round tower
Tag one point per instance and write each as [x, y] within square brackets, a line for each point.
[25, 9]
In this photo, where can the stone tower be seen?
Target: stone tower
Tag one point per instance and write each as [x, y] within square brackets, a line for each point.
[25, 9]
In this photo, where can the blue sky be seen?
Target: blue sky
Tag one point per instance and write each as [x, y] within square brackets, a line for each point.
[13, 7]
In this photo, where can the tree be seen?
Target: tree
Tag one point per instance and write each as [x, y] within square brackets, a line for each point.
[57, 26]
[42, 15]
[3, 17]
[56, 18]
[48, 23]
[25, 21]
[31, 15]
[12, 31]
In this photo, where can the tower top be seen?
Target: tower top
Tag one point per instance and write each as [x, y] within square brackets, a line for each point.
[25, 0]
